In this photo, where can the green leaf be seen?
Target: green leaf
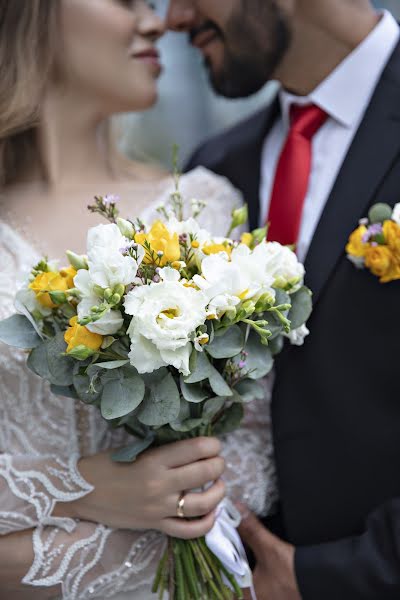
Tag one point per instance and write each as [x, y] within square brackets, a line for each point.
[88, 388]
[230, 421]
[259, 360]
[199, 366]
[60, 367]
[185, 426]
[227, 345]
[250, 390]
[121, 397]
[212, 407]
[301, 307]
[113, 364]
[18, 331]
[37, 361]
[130, 453]
[161, 405]
[276, 345]
[193, 392]
[66, 392]
[282, 297]
[218, 383]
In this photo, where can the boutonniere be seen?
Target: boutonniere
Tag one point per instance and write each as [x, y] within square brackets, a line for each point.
[375, 244]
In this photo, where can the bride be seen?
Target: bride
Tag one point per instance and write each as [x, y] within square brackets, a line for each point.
[74, 525]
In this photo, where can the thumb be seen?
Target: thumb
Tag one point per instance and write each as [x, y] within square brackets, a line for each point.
[254, 535]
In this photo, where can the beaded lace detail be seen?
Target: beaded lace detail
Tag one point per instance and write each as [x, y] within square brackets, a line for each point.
[42, 436]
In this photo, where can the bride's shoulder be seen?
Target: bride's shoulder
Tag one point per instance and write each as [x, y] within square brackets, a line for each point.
[203, 182]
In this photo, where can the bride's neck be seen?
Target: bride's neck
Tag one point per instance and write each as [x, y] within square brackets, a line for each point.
[73, 144]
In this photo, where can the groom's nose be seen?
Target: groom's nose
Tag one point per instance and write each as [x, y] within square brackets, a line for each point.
[181, 15]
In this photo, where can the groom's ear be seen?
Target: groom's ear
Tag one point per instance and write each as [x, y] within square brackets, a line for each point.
[181, 15]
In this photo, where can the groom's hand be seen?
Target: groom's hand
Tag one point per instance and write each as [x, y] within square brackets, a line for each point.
[274, 575]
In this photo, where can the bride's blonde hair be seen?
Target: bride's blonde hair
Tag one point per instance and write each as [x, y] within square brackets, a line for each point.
[28, 39]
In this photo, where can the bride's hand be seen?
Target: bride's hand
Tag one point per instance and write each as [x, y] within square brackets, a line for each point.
[145, 494]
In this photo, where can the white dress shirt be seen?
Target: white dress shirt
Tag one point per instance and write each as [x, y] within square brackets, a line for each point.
[345, 96]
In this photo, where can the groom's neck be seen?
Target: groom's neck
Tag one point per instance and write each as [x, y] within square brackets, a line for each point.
[322, 39]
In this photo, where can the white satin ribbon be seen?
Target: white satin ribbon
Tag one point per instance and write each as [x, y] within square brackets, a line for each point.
[224, 541]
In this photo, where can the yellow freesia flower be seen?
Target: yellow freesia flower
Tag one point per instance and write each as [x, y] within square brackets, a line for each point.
[52, 282]
[391, 232]
[215, 248]
[247, 239]
[78, 335]
[356, 247]
[162, 243]
[379, 260]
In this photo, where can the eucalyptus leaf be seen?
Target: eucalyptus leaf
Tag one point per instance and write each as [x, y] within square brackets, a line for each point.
[37, 361]
[250, 390]
[301, 307]
[276, 345]
[60, 367]
[185, 426]
[201, 367]
[230, 421]
[120, 398]
[88, 389]
[212, 407]
[130, 453]
[282, 297]
[193, 392]
[161, 405]
[66, 392]
[227, 345]
[218, 383]
[18, 331]
[259, 360]
[113, 364]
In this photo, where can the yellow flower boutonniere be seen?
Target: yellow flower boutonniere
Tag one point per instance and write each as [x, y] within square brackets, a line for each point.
[375, 244]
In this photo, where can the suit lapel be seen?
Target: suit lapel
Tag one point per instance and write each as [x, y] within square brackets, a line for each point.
[371, 156]
[243, 166]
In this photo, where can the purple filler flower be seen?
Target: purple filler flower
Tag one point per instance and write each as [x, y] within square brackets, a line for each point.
[373, 230]
[111, 199]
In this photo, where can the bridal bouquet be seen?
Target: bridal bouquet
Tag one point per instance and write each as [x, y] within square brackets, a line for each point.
[168, 331]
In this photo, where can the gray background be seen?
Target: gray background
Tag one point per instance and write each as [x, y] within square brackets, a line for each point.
[188, 112]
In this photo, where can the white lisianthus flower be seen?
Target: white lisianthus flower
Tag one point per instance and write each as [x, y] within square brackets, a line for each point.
[165, 318]
[281, 263]
[396, 213]
[109, 323]
[297, 336]
[108, 264]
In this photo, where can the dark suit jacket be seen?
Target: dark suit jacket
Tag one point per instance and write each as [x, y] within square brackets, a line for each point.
[336, 404]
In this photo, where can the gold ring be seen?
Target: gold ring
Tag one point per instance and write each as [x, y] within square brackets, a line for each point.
[180, 507]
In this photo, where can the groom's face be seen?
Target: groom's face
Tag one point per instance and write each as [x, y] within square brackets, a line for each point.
[242, 41]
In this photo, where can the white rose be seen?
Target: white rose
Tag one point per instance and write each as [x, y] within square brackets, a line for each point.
[109, 323]
[396, 214]
[165, 317]
[108, 266]
[281, 263]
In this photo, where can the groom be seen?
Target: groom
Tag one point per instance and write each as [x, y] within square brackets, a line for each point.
[312, 164]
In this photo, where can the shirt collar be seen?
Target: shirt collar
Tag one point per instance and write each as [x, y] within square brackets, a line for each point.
[347, 91]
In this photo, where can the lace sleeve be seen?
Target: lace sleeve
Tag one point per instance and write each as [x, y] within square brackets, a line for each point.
[31, 486]
[94, 561]
[250, 475]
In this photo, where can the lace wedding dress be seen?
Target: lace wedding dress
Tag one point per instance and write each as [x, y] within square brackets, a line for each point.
[42, 436]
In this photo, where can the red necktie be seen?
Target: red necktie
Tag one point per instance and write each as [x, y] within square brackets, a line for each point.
[293, 174]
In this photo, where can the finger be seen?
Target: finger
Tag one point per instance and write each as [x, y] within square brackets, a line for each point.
[202, 503]
[197, 475]
[188, 530]
[187, 452]
[254, 535]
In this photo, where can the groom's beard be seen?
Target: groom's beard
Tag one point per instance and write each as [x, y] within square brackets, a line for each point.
[255, 40]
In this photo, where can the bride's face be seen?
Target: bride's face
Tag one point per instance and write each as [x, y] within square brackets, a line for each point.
[108, 55]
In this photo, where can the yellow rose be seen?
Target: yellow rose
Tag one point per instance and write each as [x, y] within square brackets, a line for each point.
[356, 247]
[78, 335]
[215, 248]
[160, 241]
[391, 232]
[379, 260]
[393, 273]
[52, 282]
[247, 239]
